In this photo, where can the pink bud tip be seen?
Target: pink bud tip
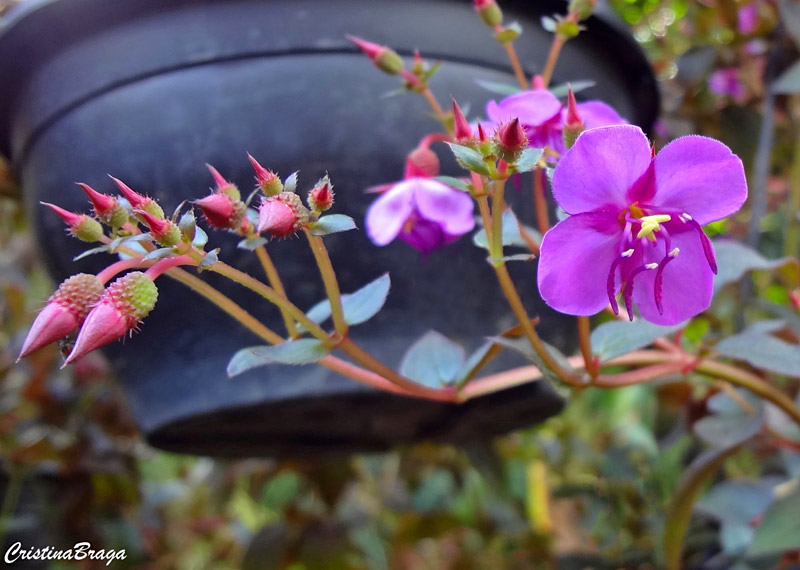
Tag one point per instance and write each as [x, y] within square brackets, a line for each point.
[538, 82]
[157, 225]
[134, 198]
[219, 180]
[421, 163]
[52, 323]
[105, 323]
[217, 208]
[371, 50]
[511, 135]
[417, 58]
[481, 3]
[320, 197]
[276, 218]
[263, 175]
[103, 204]
[573, 117]
[482, 134]
[72, 219]
[462, 128]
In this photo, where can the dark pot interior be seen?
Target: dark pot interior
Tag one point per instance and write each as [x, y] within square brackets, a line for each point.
[151, 90]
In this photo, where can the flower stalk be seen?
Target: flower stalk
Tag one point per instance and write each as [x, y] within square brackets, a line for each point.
[329, 280]
[274, 279]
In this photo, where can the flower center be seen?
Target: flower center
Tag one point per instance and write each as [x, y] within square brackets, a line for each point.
[642, 231]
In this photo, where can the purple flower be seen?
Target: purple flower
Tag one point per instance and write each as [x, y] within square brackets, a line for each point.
[422, 212]
[543, 116]
[726, 82]
[635, 224]
[748, 18]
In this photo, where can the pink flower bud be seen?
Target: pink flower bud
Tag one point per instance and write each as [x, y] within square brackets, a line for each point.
[462, 129]
[83, 227]
[421, 163]
[489, 12]
[224, 186]
[267, 181]
[538, 82]
[121, 308]
[220, 210]
[320, 198]
[573, 124]
[107, 208]
[64, 312]
[282, 215]
[138, 201]
[165, 232]
[511, 140]
[384, 58]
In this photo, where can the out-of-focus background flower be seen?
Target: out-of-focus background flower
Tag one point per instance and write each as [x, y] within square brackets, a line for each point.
[74, 467]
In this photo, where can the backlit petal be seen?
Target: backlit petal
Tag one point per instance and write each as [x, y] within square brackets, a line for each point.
[600, 168]
[575, 257]
[700, 176]
[532, 108]
[450, 208]
[388, 213]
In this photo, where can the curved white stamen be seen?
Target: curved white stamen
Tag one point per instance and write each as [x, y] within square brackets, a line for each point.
[674, 252]
[627, 252]
[651, 266]
[684, 217]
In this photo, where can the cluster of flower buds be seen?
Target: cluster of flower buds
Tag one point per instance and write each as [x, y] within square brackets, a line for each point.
[102, 314]
[507, 143]
[223, 208]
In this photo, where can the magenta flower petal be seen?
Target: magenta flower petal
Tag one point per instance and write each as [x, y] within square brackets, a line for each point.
[426, 236]
[688, 282]
[575, 258]
[597, 114]
[532, 108]
[700, 176]
[450, 208]
[600, 169]
[386, 215]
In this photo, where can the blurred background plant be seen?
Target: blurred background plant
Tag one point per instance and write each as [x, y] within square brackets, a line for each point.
[591, 488]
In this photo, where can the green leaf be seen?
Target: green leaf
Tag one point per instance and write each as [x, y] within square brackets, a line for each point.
[762, 351]
[789, 81]
[467, 369]
[358, 307]
[88, 252]
[730, 425]
[200, 237]
[511, 235]
[524, 347]
[616, 338]
[509, 33]
[499, 88]
[300, 351]
[735, 259]
[433, 360]
[561, 90]
[160, 253]
[779, 530]
[469, 159]
[331, 224]
[290, 185]
[210, 259]
[528, 158]
[453, 182]
[252, 243]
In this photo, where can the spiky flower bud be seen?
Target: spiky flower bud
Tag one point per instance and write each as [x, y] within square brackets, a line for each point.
[384, 58]
[83, 227]
[461, 127]
[107, 208]
[511, 140]
[421, 162]
[267, 181]
[64, 312]
[120, 309]
[224, 186]
[582, 8]
[164, 232]
[573, 125]
[138, 201]
[221, 211]
[282, 215]
[320, 198]
[490, 12]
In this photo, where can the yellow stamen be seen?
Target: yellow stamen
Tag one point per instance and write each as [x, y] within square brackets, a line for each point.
[650, 224]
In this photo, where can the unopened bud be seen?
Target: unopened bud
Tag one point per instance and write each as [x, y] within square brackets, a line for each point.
[384, 58]
[164, 232]
[224, 186]
[120, 309]
[221, 211]
[511, 140]
[138, 201]
[83, 227]
[282, 215]
[573, 124]
[461, 128]
[320, 198]
[582, 8]
[421, 162]
[538, 82]
[267, 181]
[490, 12]
[107, 208]
[65, 311]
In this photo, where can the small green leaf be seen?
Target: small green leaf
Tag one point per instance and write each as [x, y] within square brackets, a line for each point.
[508, 34]
[188, 225]
[469, 159]
[358, 307]
[210, 259]
[331, 224]
[252, 243]
[616, 338]
[729, 425]
[160, 253]
[200, 237]
[789, 81]
[762, 351]
[561, 90]
[735, 259]
[511, 235]
[528, 158]
[457, 183]
[433, 360]
[779, 530]
[88, 252]
[290, 185]
[499, 88]
[300, 351]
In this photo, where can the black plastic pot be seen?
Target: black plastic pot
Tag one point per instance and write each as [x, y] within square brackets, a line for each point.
[150, 90]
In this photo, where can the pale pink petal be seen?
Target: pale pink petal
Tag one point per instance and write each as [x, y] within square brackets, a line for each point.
[532, 108]
[574, 261]
[688, 282]
[699, 176]
[386, 215]
[598, 114]
[450, 208]
[600, 168]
